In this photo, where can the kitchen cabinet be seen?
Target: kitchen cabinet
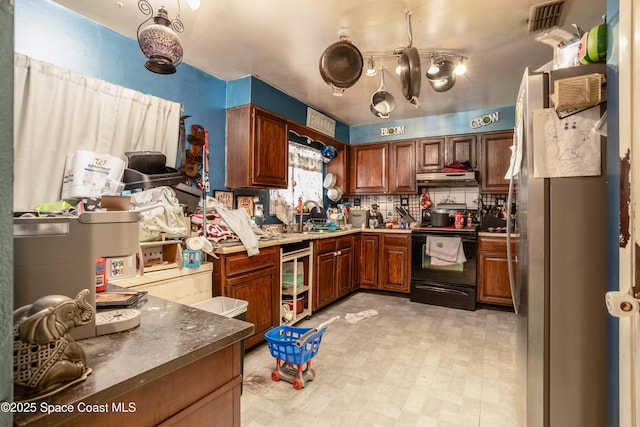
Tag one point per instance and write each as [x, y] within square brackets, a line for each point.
[357, 244]
[253, 279]
[386, 262]
[333, 269]
[395, 263]
[434, 153]
[495, 154]
[493, 270]
[386, 168]
[369, 260]
[257, 149]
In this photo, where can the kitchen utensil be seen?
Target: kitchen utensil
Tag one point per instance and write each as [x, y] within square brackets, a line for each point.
[425, 199]
[410, 69]
[382, 101]
[334, 193]
[328, 153]
[329, 181]
[445, 78]
[341, 65]
[377, 113]
[440, 217]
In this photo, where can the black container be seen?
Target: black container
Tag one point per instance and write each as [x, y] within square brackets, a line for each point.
[147, 169]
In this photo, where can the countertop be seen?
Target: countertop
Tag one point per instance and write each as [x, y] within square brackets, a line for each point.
[170, 336]
[287, 238]
[497, 234]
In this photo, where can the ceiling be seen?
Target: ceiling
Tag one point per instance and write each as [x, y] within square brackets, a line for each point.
[281, 42]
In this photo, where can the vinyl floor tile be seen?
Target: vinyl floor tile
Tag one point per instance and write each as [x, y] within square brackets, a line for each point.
[411, 365]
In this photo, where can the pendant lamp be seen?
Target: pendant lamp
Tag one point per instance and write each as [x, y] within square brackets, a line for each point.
[159, 41]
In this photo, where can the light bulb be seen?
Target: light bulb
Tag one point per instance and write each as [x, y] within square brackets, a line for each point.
[461, 68]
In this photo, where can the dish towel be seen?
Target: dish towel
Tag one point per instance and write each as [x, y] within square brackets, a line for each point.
[445, 250]
[355, 318]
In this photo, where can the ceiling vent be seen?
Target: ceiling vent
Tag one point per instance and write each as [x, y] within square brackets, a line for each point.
[547, 15]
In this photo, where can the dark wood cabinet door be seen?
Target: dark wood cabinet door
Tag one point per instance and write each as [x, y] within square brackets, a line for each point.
[344, 270]
[493, 271]
[462, 148]
[402, 167]
[270, 151]
[325, 289]
[395, 264]
[431, 154]
[369, 169]
[257, 150]
[258, 290]
[495, 155]
[357, 254]
[369, 261]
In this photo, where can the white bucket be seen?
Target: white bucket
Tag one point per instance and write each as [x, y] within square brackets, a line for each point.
[90, 174]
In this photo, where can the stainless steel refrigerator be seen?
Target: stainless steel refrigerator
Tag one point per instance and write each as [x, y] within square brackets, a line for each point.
[561, 276]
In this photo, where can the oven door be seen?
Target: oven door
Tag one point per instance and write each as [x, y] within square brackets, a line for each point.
[423, 270]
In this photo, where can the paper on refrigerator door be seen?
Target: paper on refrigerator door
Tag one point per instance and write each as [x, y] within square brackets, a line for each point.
[565, 147]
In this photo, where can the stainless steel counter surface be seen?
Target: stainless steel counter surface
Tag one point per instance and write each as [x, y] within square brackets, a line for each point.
[288, 238]
[170, 336]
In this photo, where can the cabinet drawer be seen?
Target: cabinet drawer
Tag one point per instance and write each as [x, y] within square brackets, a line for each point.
[241, 263]
[344, 242]
[396, 240]
[325, 245]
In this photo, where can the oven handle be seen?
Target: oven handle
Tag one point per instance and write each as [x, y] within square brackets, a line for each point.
[443, 290]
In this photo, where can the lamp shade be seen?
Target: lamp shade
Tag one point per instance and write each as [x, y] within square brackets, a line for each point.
[160, 44]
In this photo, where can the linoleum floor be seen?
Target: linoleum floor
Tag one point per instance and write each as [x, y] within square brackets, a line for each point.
[411, 365]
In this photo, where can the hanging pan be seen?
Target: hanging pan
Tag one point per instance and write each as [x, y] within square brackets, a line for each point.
[341, 65]
[410, 69]
[382, 102]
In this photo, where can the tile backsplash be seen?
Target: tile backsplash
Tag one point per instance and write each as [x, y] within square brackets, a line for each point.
[469, 196]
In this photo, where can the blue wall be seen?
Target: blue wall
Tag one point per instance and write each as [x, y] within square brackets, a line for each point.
[447, 124]
[48, 32]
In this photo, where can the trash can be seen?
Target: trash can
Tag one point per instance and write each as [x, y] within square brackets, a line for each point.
[228, 307]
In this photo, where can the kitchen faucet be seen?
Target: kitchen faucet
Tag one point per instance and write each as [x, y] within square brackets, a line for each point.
[308, 203]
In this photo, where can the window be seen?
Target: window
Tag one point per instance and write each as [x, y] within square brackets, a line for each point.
[305, 179]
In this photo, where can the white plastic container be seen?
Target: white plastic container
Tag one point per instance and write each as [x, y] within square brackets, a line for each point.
[90, 174]
[225, 306]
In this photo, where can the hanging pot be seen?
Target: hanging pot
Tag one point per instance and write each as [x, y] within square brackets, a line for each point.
[410, 69]
[382, 101]
[341, 65]
[445, 78]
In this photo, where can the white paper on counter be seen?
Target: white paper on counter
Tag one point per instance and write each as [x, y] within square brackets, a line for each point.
[565, 147]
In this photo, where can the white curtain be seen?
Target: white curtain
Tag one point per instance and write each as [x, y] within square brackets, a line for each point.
[58, 111]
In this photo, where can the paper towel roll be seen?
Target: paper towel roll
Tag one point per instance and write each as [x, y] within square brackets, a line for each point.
[621, 304]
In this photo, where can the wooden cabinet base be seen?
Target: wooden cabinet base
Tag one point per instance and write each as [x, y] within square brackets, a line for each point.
[205, 392]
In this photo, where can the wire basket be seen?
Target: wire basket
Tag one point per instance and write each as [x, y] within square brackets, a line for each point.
[577, 92]
[282, 344]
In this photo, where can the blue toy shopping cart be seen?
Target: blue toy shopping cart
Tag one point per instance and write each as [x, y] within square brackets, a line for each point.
[293, 349]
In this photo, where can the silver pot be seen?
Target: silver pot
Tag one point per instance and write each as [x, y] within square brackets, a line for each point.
[440, 218]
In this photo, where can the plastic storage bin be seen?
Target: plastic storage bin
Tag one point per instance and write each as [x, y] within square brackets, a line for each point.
[225, 306]
[228, 307]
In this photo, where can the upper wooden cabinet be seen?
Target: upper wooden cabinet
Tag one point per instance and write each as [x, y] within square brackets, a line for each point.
[257, 149]
[386, 168]
[435, 153]
[495, 155]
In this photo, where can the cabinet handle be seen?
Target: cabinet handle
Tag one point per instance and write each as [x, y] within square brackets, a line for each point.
[339, 253]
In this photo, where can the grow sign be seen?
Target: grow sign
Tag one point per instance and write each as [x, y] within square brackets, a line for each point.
[393, 130]
[484, 120]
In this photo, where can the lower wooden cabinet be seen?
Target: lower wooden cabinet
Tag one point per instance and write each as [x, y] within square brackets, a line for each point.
[395, 263]
[385, 262]
[253, 279]
[333, 272]
[493, 270]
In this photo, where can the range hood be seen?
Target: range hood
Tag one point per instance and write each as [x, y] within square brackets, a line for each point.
[448, 179]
